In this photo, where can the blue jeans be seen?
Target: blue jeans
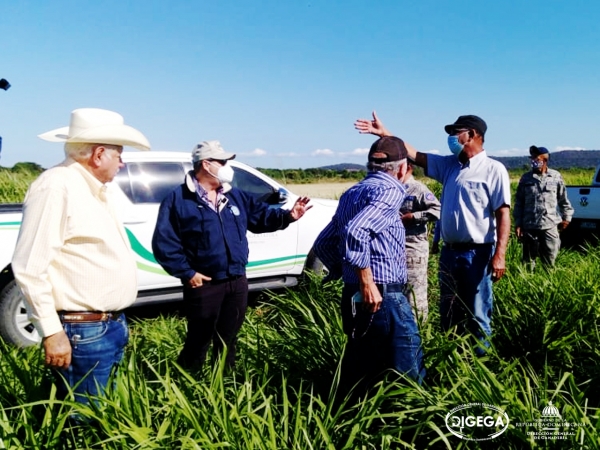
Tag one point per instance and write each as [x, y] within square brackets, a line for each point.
[387, 339]
[97, 349]
[466, 297]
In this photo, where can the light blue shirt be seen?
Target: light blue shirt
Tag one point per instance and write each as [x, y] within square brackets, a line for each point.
[366, 231]
[471, 194]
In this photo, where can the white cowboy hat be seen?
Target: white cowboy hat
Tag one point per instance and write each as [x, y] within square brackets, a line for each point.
[98, 126]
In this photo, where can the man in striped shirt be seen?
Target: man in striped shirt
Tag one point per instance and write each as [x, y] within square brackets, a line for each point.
[366, 241]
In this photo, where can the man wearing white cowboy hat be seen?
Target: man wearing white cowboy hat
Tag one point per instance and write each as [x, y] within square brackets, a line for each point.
[73, 260]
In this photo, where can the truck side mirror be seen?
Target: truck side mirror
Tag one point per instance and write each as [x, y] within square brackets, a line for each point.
[283, 195]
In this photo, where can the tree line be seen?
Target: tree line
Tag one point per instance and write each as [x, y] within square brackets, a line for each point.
[314, 175]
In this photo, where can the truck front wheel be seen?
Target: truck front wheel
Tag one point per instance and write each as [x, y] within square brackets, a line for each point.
[15, 327]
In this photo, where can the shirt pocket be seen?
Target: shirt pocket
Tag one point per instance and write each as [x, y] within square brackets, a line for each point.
[476, 193]
[551, 187]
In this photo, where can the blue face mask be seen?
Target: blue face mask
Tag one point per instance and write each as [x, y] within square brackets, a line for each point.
[536, 164]
[455, 146]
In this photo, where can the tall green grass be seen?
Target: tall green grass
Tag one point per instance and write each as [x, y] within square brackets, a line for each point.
[546, 347]
[14, 185]
[15, 181]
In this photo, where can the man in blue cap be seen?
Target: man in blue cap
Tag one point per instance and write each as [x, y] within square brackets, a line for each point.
[541, 210]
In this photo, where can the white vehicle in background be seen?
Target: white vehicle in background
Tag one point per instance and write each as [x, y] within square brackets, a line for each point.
[276, 259]
[585, 223]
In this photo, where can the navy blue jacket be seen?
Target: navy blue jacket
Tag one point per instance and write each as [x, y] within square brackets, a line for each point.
[192, 237]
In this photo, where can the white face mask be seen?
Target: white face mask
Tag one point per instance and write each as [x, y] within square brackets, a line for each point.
[224, 173]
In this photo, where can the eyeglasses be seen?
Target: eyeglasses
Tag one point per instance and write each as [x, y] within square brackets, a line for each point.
[458, 132]
[220, 161]
[118, 150]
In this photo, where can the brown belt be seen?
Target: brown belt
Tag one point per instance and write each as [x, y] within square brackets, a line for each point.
[87, 316]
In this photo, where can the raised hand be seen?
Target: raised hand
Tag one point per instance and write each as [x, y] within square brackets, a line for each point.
[300, 207]
[374, 126]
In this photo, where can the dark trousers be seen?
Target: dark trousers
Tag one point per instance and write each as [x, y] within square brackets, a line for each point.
[215, 313]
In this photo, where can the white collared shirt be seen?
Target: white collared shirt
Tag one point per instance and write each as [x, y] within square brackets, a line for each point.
[72, 253]
[471, 195]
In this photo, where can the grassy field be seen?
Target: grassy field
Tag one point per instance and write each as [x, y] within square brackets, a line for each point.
[546, 348]
[320, 190]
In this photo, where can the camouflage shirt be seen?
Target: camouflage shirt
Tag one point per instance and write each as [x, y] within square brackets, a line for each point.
[541, 201]
[425, 208]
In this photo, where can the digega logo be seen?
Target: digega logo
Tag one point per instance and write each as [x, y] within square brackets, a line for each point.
[477, 421]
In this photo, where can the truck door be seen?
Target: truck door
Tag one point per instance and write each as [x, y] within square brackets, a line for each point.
[270, 253]
[145, 184]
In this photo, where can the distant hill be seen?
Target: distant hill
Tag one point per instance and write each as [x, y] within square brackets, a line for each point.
[566, 159]
[345, 166]
[579, 159]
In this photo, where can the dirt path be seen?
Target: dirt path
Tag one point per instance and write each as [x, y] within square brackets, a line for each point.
[320, 190]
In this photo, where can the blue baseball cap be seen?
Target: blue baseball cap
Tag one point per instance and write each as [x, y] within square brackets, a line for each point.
[537, 151]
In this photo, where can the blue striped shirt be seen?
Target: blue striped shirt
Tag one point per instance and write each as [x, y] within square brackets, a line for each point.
[366, 231]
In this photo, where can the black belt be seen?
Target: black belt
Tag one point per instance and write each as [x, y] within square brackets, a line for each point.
[392, 287]
[225, 280]
[87, 316]
[462, 246]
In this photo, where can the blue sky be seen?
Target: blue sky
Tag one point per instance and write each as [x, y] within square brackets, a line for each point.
[281, 82]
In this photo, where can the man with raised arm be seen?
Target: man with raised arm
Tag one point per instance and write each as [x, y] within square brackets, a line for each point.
[475, 223]
[200, 238]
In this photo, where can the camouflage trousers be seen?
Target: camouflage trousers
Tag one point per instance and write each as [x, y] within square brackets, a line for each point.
[417, 259]
[540, 243]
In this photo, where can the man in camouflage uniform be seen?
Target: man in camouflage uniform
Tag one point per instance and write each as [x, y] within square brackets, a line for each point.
[419, 208]
[542, 209]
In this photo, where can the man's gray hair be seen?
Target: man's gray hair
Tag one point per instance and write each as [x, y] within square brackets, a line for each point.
[391, 167]
[83, 150]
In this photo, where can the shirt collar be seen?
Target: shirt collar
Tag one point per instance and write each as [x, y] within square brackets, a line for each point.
[385, 176]
[473, 160]
[192, 184]
[96, 186]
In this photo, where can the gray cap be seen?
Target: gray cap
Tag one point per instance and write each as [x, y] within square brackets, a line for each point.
[210, 150]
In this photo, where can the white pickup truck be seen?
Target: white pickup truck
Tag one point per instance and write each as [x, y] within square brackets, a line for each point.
[276, 259]
[585, 225]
